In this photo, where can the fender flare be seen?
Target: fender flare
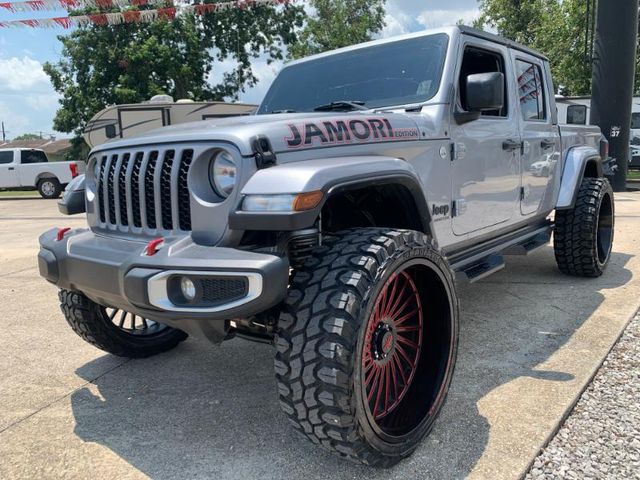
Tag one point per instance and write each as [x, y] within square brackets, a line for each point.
[575, 165]
[331, 176]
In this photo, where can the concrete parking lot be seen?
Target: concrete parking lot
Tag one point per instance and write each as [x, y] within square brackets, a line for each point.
[531, 339]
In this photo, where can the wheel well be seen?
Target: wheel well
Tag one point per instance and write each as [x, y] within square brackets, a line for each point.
[389, 205]
[42, 176]
[591, 169]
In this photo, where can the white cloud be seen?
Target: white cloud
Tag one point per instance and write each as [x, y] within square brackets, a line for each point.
[439, 18]
[23, 74]
[14, 122]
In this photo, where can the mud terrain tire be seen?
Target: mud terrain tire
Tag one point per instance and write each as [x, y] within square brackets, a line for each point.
[92, 323]
[342, 327]
[584, 234]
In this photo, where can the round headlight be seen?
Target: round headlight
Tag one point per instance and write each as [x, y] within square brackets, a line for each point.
[96, 169]
[222, 173]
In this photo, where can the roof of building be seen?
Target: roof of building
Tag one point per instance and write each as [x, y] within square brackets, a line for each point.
[48, 145]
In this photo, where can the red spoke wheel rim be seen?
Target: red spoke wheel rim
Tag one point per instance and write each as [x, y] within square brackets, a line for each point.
[392, 344]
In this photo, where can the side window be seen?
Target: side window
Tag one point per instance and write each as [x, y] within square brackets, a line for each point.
[577, 115]
[6, 157]
[476, 60]
[635, 121]
[531, 91]
[33, 156]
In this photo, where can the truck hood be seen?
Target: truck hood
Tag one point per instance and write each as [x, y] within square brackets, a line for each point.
[293, 132]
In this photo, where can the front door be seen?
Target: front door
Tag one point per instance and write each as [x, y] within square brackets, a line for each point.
[485, 174]
[541, 140]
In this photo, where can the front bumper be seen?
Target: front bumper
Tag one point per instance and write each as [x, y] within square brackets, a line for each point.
[118, 273]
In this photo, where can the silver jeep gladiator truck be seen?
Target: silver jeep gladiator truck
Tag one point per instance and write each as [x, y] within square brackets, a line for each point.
[335, 224]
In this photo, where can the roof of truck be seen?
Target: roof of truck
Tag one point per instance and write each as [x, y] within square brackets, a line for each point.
[474, 32]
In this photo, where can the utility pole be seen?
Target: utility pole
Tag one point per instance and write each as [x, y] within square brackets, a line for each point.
[4, 135]
[614, 63]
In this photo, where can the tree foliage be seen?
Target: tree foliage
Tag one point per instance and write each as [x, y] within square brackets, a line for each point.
[557, 28]
[338, 23]
[129, 63]
[27, 136]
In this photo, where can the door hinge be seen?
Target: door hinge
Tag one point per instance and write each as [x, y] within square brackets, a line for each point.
[522, 194]
[458, 207]
[262, 152]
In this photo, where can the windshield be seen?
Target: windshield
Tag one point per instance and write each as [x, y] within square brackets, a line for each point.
[396, 73]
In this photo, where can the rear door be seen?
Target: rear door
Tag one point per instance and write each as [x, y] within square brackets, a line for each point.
[8, 171]
[486, 170]
[539, 133]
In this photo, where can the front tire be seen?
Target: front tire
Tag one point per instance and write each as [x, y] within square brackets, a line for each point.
[49, 188]
[116, 331]
[366, 344]
[583, 236]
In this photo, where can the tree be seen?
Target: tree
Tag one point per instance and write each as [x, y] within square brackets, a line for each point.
[338, 23]
[561, 29]
[27, 136]
[128, 63]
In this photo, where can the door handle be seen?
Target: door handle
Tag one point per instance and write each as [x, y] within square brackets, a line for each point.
[546, 144]
[510, 145]
[11, 168]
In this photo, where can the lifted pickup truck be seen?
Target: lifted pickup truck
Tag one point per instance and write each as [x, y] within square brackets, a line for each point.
[30, 169]
[336, 223]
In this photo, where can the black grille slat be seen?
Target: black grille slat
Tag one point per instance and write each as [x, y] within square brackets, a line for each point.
[100, 189]
[111, 188]
[184, 203]
[122, 189]
[135, 189]
[149, 190]
[165, 190]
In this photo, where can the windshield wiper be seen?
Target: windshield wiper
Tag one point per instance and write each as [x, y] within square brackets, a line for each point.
[341, 105]
[285, 110]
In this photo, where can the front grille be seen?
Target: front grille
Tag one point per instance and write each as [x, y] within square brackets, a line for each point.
[145, 189]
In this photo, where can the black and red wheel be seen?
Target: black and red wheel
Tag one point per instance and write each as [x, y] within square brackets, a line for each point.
[367, 342]
[117, 331]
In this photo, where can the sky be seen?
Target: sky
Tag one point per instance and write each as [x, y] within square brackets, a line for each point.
[28, 102]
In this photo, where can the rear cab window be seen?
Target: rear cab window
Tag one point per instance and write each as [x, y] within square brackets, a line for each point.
[531, 91]
[33, 156]
[577, 115]
[6, 157]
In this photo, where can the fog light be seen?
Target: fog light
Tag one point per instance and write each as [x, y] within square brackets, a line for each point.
[188, 289]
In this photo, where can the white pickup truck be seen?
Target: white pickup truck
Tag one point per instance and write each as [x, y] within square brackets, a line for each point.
[28, 169]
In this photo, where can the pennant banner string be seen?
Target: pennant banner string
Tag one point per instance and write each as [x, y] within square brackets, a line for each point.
[44, 5]
[132, 16]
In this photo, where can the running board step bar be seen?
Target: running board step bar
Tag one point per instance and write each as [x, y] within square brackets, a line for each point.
[482, 269]
[529, 246]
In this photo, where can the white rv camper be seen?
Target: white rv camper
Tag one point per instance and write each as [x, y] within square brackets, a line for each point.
[577, 111]
[124, 121]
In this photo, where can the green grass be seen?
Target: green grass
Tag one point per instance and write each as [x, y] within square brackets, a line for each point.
[633, 175]
[19, 193]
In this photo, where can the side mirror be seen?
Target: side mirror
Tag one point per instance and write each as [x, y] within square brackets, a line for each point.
[485, 91]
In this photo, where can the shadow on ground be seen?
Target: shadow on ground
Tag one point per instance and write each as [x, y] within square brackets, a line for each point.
[203, 412]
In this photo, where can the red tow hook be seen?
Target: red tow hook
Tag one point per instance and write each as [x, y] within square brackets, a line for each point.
[61, 233]
[153, 246]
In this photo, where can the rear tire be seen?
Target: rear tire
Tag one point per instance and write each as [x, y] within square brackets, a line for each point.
[49, 188]
[583, 235]
[95, 326]
[355, 373]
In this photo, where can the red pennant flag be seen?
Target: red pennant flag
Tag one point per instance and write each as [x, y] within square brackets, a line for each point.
[30, 23]
[36, 4]
[131, 16]
[138, 3]
[99, 19]
[68, 4]
[167, 13]
[64, 22]
[203, 8]
[104, 3]
[7, 6]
